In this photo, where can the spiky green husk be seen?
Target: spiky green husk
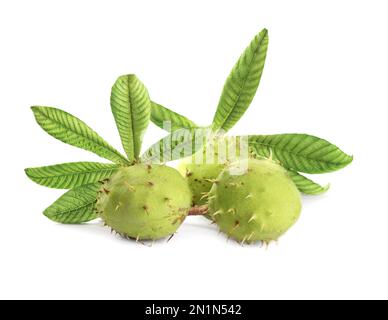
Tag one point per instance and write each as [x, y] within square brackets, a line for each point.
[259, 205]
[144, 202]
[201, 169]
[200, 178]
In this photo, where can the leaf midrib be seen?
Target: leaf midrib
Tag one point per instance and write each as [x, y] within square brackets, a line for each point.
[244, 83]
[132, 121]
[107, 148]
[73, 209]
[74, 173]
[296, 154]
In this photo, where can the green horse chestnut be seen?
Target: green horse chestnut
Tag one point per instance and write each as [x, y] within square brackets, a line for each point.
[254, 200]
[144, 202]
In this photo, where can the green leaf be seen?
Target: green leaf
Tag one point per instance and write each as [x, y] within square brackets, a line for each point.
[71, 130]
[70, 175]
[177, 145]
[242, 84]
[131, 108]
[306, 185]
[300, 152]
[160, 115]
[75, 206]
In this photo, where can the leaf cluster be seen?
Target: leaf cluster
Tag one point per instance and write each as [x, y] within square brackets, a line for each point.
[133, 109]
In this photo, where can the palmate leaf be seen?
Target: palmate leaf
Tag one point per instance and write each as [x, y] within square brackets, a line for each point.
[75, 206]
[160, 115]
[131, 108]
[177, 145]
[300, 152]
[306, 185]
[242, 84]
[71, 130]
[70, 175]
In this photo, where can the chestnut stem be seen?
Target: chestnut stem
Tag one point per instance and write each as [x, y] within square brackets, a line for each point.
[198, 211]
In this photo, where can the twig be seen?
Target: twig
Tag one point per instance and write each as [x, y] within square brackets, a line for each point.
[198, 210]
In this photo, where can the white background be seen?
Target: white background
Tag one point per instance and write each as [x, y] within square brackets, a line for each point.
[326, 74]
